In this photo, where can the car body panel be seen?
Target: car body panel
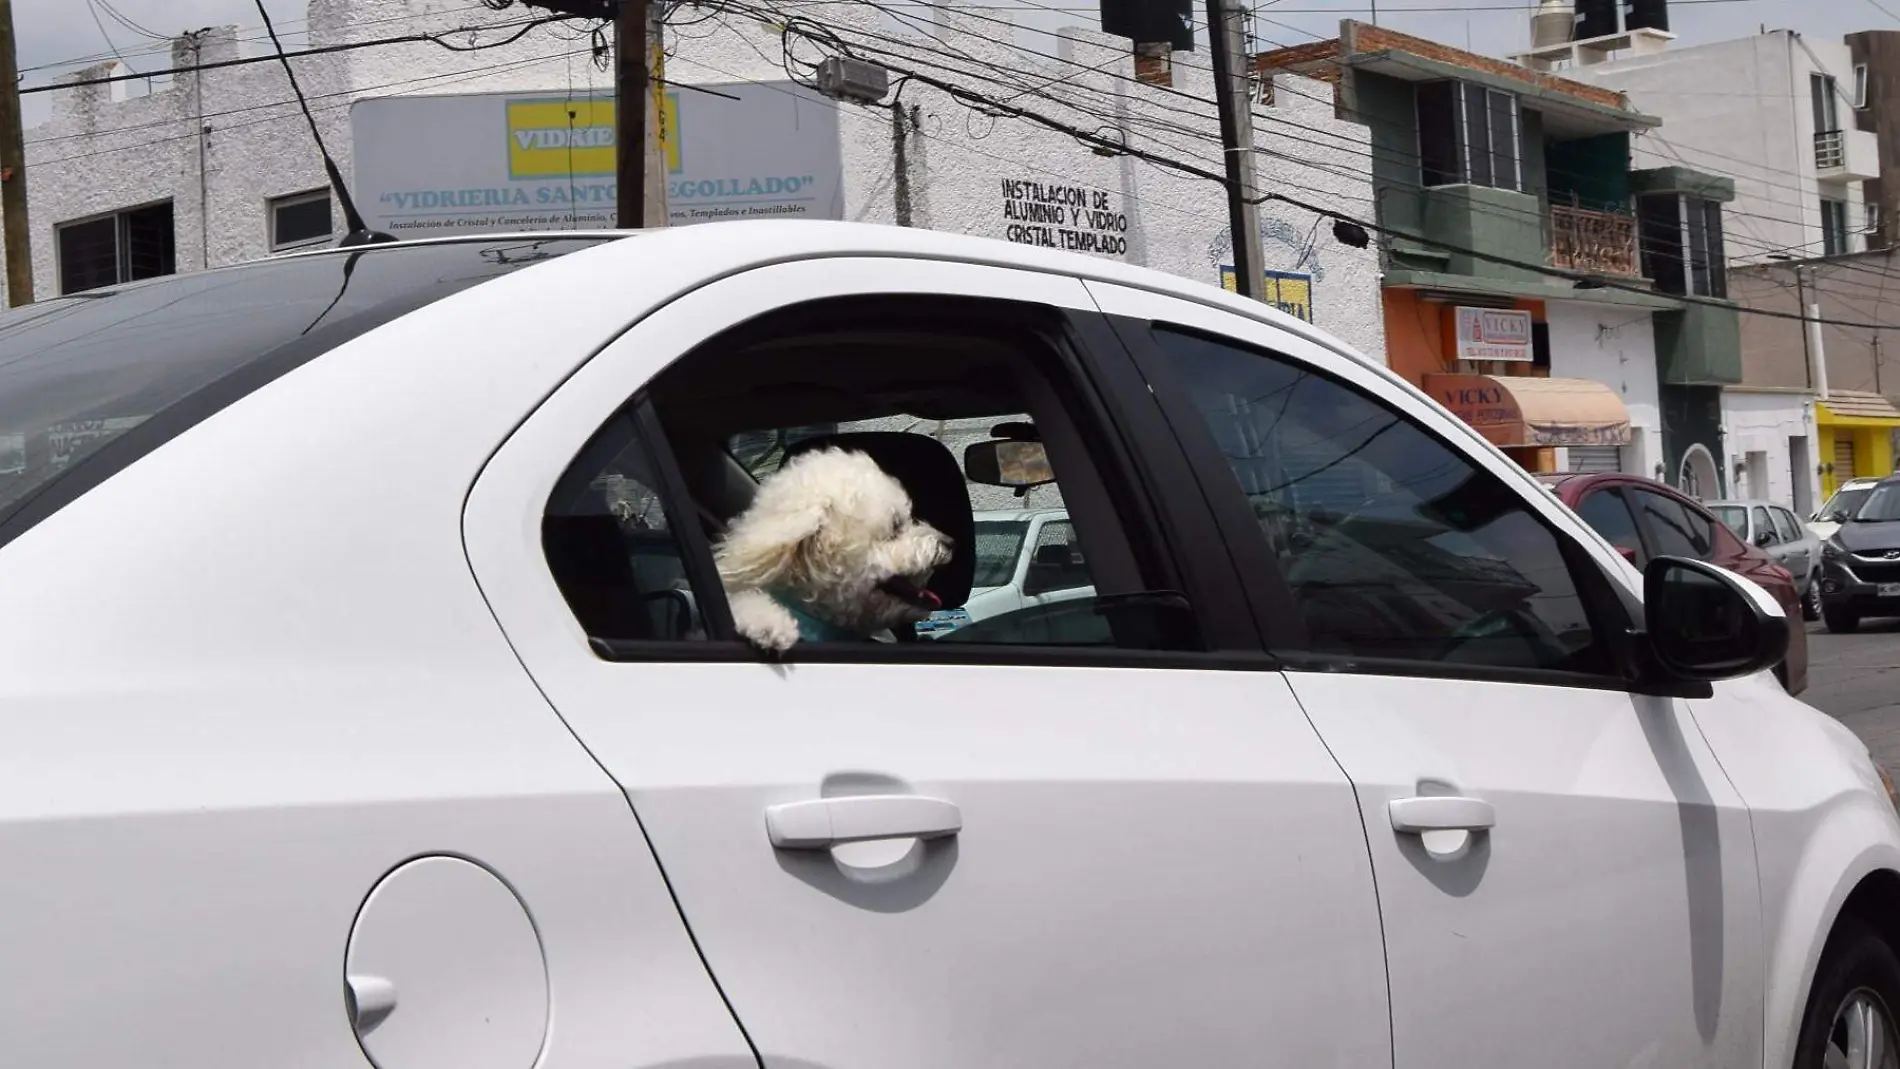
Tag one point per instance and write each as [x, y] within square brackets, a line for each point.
[1861, 565]
[1102, 903]
[221, 740]
[1008, 597]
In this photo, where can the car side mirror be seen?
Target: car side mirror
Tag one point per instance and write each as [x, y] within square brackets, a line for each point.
[1705, 624]
[1765, 538]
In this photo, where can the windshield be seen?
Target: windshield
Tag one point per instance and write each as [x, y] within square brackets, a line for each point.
[999, 544]
[1882, 505]
[1734, 517]
[82, 375]
[1843, 504]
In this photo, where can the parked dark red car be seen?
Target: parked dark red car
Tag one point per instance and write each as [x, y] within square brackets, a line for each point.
[1644, 519]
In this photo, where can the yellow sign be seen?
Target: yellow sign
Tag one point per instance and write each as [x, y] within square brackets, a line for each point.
[1289, 292]
[575, 138]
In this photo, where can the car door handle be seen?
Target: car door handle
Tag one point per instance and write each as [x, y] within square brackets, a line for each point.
[1414, 816]
[823, 823]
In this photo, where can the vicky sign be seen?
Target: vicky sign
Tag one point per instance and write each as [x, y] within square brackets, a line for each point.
[485, 162]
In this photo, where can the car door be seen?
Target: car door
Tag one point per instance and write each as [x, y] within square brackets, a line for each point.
[1130, 853]
[1796, 543]
[1562, 866]
[1057, 569]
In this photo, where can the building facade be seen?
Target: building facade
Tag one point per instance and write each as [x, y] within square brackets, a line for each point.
[1509, 197]
[218, 166]
[1876, 97]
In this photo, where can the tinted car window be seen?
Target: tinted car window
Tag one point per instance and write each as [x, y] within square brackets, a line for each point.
[92, 382]
[1787, 525]
[1609, 514]
[1675, 530]
[1765, 531]
[1412, 551]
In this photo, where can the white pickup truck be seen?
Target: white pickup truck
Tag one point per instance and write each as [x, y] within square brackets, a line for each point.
[1024, 558]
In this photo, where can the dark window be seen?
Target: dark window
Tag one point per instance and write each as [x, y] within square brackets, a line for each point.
[1683, 245]
[124, 247]
[1609, 515]
[1056, 563]
[1468, 133]
[77, 374]
[1675, 530]
[1827, 116]
[1429, 558]
[1834, 239]
[301, 219]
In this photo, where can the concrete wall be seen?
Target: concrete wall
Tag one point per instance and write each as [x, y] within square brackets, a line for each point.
[1616, 347]
[1743, 109]
[1852, 289]
[1763, 423]
[101, 152]
[1879, 50]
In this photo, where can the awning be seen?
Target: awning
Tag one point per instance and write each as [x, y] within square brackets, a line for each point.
[1855, 408]
[1513, 410]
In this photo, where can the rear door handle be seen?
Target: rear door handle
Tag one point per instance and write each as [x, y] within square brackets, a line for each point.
[1414, 816]
[827, 822]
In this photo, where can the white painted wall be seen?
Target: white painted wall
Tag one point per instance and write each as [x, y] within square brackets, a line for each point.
[1743, 109]
[101, 152]
[1763, 422]
[1617, 347]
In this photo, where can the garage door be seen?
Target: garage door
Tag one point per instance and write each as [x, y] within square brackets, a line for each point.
[1595, 458]
[1843, 459]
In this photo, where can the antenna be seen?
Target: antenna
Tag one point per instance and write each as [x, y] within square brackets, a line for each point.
[358, 234]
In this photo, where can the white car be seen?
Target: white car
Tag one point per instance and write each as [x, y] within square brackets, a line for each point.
[1844, 502]
[1024, 559]
[367, 695]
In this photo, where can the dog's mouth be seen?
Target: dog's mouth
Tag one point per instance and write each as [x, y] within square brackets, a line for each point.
[911, 592]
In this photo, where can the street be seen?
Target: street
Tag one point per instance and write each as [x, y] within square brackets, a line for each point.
[1856, 678]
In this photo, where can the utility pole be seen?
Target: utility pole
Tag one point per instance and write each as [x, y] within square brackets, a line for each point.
[1233, 82]
[13, 228]
[639, 146]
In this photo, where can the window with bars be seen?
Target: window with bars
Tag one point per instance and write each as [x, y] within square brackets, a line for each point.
[1469, 134]
[1684, 250]
[122, 247]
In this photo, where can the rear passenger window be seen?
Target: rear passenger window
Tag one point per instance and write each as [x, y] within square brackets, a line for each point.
[1395, 545]
[1675, 530]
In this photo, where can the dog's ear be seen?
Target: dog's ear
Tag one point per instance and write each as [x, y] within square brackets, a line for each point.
[762, 546]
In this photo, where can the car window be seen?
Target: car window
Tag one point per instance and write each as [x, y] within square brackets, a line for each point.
[1396, 546]
[1734, 517]
[1057, 563]
[734, 412]
[999, 549]
[1844, 504]
[83, 374]
[1609, 515]
[1882, 505]
[1765, 533]
[611, 546]
[1789, 527]
[1675, 530]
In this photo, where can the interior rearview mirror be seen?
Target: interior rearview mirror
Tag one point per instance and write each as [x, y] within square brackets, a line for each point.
[1008, 463]
[1705, 624]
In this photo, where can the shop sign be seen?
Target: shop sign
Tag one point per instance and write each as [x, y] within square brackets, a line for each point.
[1494, 334]
[1289, 291]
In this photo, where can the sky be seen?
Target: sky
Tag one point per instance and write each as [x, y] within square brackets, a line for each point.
[55, 36]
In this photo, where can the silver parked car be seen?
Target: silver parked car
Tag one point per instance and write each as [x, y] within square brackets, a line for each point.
[1785, 537]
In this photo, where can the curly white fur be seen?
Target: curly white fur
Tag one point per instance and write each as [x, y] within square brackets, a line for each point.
[824, 531]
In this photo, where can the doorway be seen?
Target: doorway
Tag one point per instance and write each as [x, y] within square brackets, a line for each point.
[1800, 465]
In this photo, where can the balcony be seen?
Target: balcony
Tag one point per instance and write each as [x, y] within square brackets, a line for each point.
[1846, 156]
[1597, 242]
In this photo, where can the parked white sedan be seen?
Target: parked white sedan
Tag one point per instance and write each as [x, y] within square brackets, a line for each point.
[367, 695]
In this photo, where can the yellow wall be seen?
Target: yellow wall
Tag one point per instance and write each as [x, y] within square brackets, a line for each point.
[1873, 454]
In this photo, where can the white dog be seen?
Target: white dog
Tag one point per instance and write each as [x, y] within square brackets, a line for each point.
[828, 550]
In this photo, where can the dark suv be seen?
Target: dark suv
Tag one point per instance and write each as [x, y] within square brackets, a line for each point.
[1861, 561]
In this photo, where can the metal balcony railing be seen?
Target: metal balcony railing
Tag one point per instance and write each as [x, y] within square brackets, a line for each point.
[1830, 150]
[1603, 243]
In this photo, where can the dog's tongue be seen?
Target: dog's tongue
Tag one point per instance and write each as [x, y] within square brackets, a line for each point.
[904, 589]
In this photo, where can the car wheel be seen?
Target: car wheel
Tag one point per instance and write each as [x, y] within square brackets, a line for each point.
[1841, 621]
[1811, 605]
[1849, 1022]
